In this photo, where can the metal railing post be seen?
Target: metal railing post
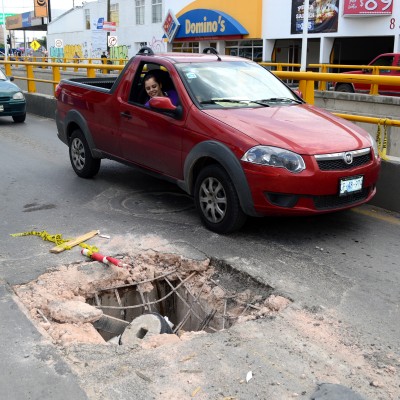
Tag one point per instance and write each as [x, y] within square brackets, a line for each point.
[374, 87]
[56, 77]
[30, 77]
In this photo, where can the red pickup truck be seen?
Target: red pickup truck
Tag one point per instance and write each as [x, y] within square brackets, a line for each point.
[237, 139]
[383, 60]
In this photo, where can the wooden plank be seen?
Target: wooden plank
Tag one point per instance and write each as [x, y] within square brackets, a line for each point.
[73, 242]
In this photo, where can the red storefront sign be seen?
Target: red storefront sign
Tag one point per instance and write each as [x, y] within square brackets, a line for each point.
[354, 8]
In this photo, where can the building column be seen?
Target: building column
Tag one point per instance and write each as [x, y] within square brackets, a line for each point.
[268, 49]
[396, 45]
[325, 50]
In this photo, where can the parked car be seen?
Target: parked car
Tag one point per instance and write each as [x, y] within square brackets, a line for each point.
[12, 100]
[383, 60]
[239, 141]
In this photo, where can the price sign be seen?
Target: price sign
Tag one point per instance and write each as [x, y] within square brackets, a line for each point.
[359, 8]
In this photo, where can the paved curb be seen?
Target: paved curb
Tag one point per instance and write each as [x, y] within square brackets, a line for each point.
[31, 367]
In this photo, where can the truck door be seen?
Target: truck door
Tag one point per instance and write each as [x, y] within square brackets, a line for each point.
[386, 60]
[150, 138]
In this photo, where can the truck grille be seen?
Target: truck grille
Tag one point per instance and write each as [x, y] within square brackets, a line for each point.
[336, 161]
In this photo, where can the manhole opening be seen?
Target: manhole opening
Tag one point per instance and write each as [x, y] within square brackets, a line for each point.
[193, 302]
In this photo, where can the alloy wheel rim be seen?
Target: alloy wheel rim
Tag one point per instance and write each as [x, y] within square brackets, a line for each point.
[213, 200]
[78, 154]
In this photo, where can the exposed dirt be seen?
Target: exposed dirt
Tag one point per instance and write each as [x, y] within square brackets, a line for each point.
[288, 350]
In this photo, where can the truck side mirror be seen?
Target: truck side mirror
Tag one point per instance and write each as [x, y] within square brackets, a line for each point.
[164, 104]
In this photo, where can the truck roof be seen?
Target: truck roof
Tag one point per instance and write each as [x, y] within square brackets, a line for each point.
[191, 57]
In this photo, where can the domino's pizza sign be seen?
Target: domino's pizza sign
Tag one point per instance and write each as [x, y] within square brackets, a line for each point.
[170, 26]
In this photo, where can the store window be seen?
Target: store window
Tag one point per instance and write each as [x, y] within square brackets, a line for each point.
[251, 49]
[139, 12]
[156, 11]
[185, 47]
[87, 18]
[114, 13]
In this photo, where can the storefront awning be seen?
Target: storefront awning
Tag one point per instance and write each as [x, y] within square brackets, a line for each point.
[203, 23]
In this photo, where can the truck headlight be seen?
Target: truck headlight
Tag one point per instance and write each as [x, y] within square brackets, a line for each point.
[374, 145]
[275, 157]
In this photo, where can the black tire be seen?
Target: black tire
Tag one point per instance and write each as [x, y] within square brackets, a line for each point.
[344, 87]
[19, 118]
[217, 201]
[82, 161]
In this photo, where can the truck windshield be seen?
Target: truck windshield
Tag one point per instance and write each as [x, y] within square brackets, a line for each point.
[234, 84]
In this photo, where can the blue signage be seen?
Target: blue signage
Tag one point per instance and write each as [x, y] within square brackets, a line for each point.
[100, 23]
[203, 22]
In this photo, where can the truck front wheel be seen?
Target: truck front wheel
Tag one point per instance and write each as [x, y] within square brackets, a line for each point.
[217, 201]
[82, 161]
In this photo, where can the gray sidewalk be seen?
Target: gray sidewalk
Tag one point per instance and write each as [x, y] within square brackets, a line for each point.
[31, 367]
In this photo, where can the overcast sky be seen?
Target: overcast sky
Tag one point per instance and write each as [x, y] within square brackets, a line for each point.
[21, 6]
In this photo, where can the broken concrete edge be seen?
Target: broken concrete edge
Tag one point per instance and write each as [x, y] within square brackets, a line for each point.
[64, 303]
[388, 189]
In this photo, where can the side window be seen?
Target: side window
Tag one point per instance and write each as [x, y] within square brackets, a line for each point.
[384, 61]
[158, 76]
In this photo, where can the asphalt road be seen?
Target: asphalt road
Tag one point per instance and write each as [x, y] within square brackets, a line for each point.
[347, 262]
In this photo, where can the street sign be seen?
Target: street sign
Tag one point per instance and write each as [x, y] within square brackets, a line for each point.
[112, 41]
[35, 45]
[2, 21]
[109, 26]
[58, 43]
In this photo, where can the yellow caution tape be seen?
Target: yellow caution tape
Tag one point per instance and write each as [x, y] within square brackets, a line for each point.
[382, 147]
[57, 239]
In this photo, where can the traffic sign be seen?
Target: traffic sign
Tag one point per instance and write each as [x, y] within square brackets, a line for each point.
[58, 43]
[112, 41]
[35, 45]
[109, 26]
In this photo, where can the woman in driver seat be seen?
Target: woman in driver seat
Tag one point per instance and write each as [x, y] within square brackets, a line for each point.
[153, 87]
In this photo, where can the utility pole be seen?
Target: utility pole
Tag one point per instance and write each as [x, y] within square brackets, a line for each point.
[304, 42]
[4, 32]
[48, 11]
[108, 20]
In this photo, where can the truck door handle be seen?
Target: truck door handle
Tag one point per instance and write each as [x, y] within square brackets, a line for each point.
[126, 114]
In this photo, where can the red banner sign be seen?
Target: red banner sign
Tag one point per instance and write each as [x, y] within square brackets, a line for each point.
[367, 7]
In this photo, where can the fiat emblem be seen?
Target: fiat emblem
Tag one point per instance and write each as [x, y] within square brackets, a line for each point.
[348, 158]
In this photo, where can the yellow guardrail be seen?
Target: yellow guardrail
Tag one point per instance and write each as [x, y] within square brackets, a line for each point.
[374, 70]
[56, 71]
[306, 80]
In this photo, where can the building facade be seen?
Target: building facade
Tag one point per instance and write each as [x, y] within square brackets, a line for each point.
[340, 31]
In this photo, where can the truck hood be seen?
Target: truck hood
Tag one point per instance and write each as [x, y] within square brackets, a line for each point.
[303, 129]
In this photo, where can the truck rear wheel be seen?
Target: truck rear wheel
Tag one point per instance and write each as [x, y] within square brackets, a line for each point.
[344, 87]
[217, 201]
[82, 161]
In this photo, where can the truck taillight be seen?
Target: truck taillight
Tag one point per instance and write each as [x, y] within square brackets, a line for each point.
[57, 91]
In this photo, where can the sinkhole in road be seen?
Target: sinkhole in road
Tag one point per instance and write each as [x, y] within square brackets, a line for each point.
[190, 302]
[153, 293]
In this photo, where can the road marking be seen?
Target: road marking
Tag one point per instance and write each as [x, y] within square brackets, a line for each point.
[378, 214]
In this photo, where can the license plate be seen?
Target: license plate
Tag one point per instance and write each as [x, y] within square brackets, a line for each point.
[350, 185]
[1, 108]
